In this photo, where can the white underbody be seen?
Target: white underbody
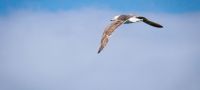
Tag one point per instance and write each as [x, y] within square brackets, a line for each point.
[132, 20]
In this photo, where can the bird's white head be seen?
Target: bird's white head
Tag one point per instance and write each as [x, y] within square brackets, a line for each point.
[115, 18]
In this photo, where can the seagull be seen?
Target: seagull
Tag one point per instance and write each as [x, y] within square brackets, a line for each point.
[123, 19]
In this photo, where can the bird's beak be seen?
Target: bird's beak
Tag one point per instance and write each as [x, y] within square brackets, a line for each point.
[111, 20]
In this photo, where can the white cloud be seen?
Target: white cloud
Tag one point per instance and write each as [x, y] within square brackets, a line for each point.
[58, 50]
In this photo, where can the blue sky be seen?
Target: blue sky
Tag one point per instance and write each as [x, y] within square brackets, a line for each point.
[52, 45]
[171, 6]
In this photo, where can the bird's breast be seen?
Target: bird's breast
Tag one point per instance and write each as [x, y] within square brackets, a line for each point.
[133, 20]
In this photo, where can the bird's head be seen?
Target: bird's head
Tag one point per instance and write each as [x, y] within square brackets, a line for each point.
[115, 18]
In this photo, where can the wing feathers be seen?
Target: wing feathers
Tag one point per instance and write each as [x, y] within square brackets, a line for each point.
[107, 32]
[115, 24]
[145, 20]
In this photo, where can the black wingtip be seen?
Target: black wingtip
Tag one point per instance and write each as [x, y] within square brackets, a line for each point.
[159, 26]
[153, 24]
[145, 20]
[100, 49]
[98, 52]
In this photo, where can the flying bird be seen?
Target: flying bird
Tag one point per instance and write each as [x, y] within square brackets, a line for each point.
[123, 19]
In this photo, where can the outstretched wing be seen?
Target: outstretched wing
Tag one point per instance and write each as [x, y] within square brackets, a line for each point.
[107, 32]
[145, 20]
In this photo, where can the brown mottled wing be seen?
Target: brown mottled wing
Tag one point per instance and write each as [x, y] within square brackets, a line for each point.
[107, 32]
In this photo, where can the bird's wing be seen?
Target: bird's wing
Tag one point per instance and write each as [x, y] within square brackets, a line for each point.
[145, 20]
[108, 31]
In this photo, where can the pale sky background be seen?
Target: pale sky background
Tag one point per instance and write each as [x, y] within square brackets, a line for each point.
[52, 45]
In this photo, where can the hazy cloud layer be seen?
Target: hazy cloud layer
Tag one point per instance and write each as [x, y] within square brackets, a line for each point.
[58, 51]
